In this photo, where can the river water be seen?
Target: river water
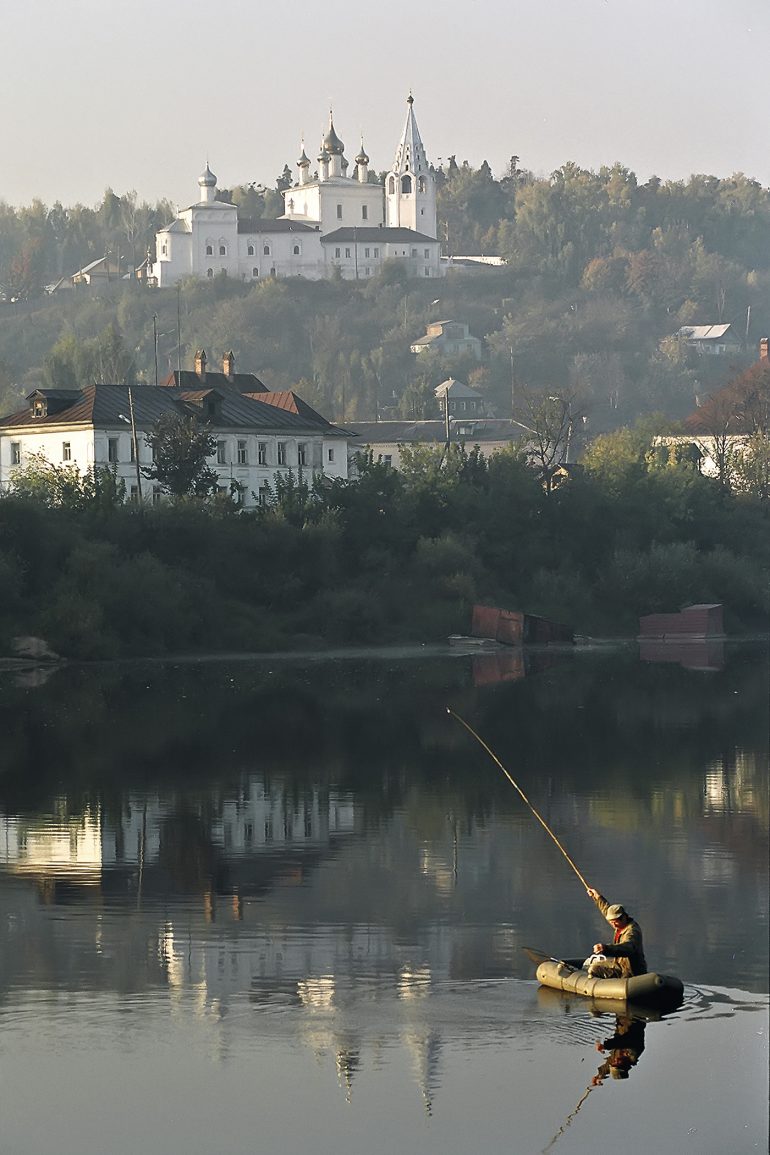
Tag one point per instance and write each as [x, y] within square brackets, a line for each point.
[280, 905]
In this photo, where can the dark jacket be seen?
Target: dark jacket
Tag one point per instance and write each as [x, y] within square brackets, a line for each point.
[629, 949]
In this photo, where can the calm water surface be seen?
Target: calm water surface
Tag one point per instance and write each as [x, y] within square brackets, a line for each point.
[280, 905]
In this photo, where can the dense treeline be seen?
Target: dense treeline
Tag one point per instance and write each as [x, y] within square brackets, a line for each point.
[601, 272]
[389, 557]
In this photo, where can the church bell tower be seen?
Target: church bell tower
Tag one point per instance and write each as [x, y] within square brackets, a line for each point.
[410, 187]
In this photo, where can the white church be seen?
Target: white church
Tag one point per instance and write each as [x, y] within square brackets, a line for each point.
[334, 223]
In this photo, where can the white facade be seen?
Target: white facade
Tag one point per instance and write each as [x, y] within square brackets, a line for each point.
[333, 223]
[251, 457]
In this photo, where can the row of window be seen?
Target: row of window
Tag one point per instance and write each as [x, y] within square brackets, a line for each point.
[282, 453]
[241, 452]
[364, 212]
[406, 184]
[376, 252]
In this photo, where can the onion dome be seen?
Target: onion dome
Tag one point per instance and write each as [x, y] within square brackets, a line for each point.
[362, 158]
[332, 142]
[207, 178]
[304, 160]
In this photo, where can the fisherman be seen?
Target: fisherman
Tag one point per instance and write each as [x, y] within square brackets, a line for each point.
[624, 956]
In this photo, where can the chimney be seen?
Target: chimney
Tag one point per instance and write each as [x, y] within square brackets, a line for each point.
[200, 364]
[764, 348]
[228, 362]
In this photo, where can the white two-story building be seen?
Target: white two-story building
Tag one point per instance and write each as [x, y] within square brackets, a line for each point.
[258, 433]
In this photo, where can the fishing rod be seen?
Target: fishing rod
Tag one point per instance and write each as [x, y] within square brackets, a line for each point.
[516, 786]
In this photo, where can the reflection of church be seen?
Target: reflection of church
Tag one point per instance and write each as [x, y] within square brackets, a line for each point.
[335, 222]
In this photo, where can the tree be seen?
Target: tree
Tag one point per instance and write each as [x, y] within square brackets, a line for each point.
[550, 419]
[180, 448]
[64, 487]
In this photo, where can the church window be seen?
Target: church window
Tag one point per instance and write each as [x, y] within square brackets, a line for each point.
[209, 250]
[295, 250]
[266, 250]
[209, 272]
[365, 212]
[250, 251]
[391, 184]
[339, 212]
[330, 455]
[422, 184]
[255, 272]
[406, 184]
[223, 250]
[164, 248]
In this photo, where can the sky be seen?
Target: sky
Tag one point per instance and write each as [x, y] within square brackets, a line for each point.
[139, 94]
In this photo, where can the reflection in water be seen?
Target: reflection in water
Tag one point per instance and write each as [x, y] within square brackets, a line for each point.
[623, 1049]
[318, 856]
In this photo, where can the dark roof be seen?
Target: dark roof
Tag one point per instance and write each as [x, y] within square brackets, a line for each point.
[107, 406]
[482, 429]
[377, 233]
[269, 225]
[189, 379]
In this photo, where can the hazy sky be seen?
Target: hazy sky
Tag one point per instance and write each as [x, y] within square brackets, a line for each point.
[138, 94]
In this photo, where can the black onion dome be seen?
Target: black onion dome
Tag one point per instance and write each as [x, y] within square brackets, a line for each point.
[332, 142]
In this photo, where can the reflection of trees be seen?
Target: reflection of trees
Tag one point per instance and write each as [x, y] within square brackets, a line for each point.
[187, 852]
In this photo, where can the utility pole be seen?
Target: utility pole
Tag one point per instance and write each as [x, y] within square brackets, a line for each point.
[155, 342]
[135, 444]
[513, 387]
[179, 331]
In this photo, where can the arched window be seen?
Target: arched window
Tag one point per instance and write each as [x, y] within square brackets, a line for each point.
[250, 251]
[266, 250]
[255, 272]
[295, 250]
[391, 184]
[223, 250]
[209, 250]
[422, 184]
[209, 272]
[164, 248]
[406, 184]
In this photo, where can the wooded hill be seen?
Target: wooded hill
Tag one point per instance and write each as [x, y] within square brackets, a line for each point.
[601, 272]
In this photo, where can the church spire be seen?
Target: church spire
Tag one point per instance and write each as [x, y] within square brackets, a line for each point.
[410, 186]
[410, 154]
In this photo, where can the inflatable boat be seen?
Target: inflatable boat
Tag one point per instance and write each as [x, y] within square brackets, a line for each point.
[650, 989]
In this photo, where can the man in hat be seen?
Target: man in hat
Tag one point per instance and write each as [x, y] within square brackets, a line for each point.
[624, 956]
